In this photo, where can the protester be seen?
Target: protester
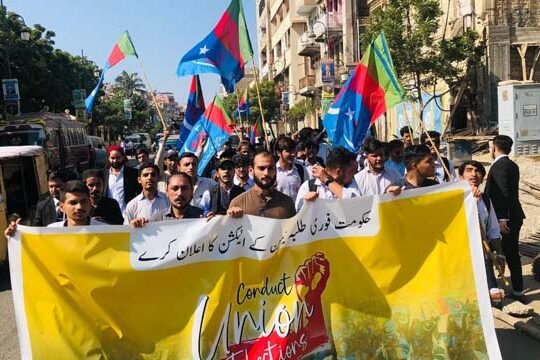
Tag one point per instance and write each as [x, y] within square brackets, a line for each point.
[75, 204]
[150, 202]
[290, 175]
[189, 163]
[142, 155]
[406, 136]
[120, 180]
[244, 148]
[336, 181]
[179, 193]
[441, 175]
[49, 210]
[474, 172]
[242, 166]
[420, 167]
[395, 157]
[502, 187]
[103, 208]
[171, 163]
[263, 199]
[375, 178]
[216, 200]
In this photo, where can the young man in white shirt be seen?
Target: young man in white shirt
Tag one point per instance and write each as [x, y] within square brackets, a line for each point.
[75, 204]
[290, 175]
[336, 181]
[189, 164]
[150, 202]
[375, 179]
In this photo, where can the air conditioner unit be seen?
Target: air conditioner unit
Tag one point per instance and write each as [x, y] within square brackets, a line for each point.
[311, 34]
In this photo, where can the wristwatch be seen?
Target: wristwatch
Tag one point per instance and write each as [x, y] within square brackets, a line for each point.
[329, 180]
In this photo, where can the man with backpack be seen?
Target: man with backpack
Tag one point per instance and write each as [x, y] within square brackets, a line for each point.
[336, 181]
[290, 174]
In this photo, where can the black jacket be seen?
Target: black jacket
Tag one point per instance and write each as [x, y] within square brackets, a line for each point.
[108, 211]
[132, 187]
[215, 198]
[45, 213]
[502, 187]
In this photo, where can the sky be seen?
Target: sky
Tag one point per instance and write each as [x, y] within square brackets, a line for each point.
[162, 32]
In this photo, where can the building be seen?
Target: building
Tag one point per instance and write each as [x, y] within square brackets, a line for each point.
[299, 40]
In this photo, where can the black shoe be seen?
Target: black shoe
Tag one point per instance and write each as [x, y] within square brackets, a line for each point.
[519, 297]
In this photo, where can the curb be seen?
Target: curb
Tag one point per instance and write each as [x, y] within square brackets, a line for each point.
[525, 325]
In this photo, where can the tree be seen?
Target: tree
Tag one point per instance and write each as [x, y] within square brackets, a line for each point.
[109, 110]
[46, 75]
[301, 109]
[129, 84]
[421, 60]
[269, 98]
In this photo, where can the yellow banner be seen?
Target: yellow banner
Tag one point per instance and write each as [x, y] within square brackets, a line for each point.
[384, 278]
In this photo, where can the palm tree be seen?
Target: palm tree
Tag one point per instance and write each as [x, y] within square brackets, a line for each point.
[129, 84]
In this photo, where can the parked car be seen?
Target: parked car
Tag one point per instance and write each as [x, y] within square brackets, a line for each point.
[132, 143]
[95, 141]
[145, 139]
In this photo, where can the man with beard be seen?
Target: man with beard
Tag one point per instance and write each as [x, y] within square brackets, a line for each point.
[375, 178]
[179, 193]
[49, 210]
[263, 199]
[336, 181]
[120, 180]
[216, 200]
[103, 209]
[189, 163]
[150, 202]
[420, 167]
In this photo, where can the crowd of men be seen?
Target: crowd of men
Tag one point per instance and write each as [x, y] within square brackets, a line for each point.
[279, 182]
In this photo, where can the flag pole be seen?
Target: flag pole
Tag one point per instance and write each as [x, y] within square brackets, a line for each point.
[239, 113]
[152, 93]
[260, 103]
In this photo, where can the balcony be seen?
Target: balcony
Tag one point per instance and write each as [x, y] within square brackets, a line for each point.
[305, 7]
[307, 45]
[329, 24]
[307, 85]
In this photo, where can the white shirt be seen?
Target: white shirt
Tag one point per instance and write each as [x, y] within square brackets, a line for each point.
[488, 221]
[324, 192]
[201, 186]
[439, 171]
[116, 188]
[64, 223]
[370, 183]
[289, 181]
[498, 158]
[140, 206]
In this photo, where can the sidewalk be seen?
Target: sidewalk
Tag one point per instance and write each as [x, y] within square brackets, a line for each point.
[521, 341]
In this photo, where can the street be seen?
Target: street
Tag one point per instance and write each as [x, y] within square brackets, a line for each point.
[514, 344]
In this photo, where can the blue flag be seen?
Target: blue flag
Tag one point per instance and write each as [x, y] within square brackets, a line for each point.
[214, 127]
[194, 110]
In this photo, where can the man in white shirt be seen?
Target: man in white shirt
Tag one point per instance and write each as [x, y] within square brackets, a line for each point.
[474, 172]
[375, 178]
[290, 175]
[150, 202]
[189, 163]
[120, 180]
[333, 182]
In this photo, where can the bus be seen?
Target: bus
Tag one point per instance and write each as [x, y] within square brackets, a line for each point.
[65, 140]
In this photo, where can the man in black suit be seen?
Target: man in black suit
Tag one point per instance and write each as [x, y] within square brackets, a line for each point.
[120, 181]
[216, 200]
[503, 189]
[48, 210]
[103, 209]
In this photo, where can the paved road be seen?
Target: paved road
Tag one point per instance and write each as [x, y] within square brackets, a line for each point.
[514, 344]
